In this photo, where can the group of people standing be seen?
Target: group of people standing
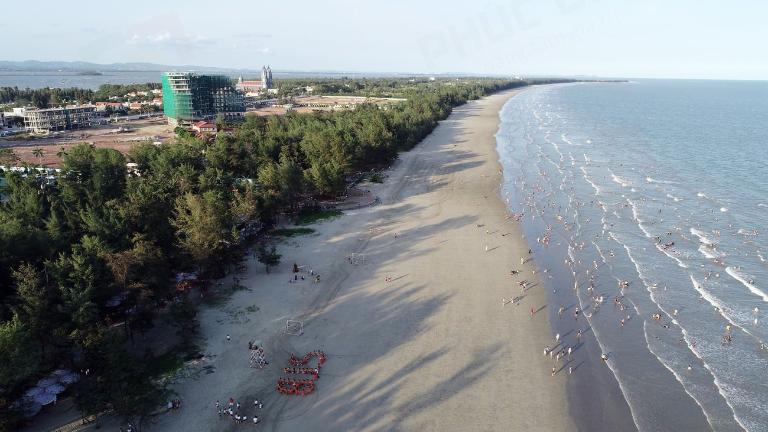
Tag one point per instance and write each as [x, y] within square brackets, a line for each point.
[233, 411]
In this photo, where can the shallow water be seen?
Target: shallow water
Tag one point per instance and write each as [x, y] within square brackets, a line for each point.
[661, 184]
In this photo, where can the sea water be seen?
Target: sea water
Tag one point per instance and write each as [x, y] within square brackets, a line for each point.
[664, 185]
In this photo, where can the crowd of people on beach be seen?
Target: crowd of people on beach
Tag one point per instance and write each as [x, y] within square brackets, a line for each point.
[537, 201]
[297, 276]
[233, 410]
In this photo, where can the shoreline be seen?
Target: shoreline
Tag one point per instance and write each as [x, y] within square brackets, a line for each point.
[607, 408]
[620, 394]
[413, 339]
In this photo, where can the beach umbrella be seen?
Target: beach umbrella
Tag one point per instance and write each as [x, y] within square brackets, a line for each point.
[44, 398]
[34, 391]
[70, 378]
[55, 388]
[45, 382]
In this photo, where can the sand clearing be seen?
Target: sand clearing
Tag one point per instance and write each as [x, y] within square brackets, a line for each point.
[416, 333]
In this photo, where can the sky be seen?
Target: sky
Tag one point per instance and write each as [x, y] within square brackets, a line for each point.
[618, 38]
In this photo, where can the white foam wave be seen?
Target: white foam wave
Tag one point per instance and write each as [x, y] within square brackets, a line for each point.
[718, 384]
[723, 209]
[622, 387]
[674, 198]
[677, 376]
[709, 253]
[622, 181]
[702, 236]
[586, 177]
[653, 180]
[723, 310]
[747, 283]
[710, 299]
[680, 263]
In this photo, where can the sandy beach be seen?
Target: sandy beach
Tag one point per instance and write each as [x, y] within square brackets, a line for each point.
[416, 333]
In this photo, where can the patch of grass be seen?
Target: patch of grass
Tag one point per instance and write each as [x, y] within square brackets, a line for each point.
[290, 232]
[310, 217]
[165, 364]
[376, 177]
[214, 299]
[239, 287]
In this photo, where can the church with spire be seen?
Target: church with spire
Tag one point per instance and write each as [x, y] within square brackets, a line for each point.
[254, 87]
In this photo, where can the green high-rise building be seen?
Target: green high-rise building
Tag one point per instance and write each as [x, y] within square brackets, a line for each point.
[188, 97]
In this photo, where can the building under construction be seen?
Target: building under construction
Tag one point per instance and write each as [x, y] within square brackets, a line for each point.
[188, 97]
[58, 119]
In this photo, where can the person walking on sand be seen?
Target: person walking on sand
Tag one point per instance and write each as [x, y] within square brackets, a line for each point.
[569, 353]
[578, 336]
[557, 337]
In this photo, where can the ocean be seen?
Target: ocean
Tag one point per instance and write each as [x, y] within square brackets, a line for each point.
[647, 204]
[42, 79]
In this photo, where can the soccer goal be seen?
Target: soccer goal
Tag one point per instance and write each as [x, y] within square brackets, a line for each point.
[293, 327]
[357, 259]
[258, 358]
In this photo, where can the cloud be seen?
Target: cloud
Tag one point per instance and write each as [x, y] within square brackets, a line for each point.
[167, 39]
[247, 47]
[252, 35]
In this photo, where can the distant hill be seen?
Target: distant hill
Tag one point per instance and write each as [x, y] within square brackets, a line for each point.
[34, 65]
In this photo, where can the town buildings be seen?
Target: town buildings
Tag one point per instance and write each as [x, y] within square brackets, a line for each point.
[204, 126]
[57, 119]
[188, 97]
[105, 106]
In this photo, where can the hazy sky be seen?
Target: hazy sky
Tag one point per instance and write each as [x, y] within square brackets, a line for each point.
[650, 38]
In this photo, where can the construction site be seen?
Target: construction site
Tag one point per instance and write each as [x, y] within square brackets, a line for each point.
[121, 137]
